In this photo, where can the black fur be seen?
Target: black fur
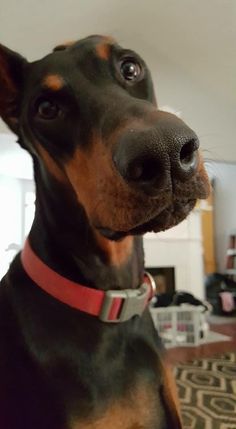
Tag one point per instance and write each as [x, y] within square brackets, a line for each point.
[58, 365]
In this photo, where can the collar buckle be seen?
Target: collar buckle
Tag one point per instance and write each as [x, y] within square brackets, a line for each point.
[131, 302]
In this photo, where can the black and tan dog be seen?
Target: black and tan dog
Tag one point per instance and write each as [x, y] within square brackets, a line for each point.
[78, 349]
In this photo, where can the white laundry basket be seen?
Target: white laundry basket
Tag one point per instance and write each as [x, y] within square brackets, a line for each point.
[184, 325]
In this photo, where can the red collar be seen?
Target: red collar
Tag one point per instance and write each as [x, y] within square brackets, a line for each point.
[110, 306]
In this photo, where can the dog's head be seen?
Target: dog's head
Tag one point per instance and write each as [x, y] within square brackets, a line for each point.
[88, 113]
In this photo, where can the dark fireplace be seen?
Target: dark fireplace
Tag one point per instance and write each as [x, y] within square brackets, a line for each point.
[164, 278]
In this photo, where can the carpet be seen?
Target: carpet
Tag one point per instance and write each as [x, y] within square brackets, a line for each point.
[207, 391]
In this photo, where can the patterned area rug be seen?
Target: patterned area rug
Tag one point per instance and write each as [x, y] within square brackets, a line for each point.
[207, 391]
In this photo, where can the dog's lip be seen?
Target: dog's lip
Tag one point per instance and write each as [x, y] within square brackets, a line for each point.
[161, 221]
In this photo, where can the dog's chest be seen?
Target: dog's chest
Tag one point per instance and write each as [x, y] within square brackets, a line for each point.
[140, 408]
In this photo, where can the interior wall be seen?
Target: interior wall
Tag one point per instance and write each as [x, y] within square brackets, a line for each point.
[225, 207]
[10, 220]
[14, 161]
[212, 117]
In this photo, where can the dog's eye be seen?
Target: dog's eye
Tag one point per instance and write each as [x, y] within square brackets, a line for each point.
[130, 69]
[48, 109]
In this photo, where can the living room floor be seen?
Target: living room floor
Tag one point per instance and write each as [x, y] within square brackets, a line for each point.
[224, 326]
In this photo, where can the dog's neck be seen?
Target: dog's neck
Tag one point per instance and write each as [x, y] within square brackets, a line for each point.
[63, 238]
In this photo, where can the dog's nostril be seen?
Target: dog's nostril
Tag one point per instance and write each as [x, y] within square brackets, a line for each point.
[188, 154]
[143, 171]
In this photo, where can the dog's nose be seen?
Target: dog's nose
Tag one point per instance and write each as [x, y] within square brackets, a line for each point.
[152, 157]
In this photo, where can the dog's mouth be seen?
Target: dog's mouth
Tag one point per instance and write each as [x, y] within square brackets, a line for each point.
[164, 219]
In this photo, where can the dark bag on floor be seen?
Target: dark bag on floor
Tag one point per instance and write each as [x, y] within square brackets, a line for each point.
[216, 284]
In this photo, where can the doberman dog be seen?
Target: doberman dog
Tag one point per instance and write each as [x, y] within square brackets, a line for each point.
[78, 346]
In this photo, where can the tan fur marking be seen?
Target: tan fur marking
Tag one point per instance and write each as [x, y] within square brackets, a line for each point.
[102, 192]
[89, 173]
[51, 165]
[54, 82]
[170, 395]
[103, 51]
[117, 252]
[79, 173]
[138, 410]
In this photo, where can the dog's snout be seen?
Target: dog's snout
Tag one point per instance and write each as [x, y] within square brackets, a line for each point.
[188, 155]
[152, 157]
[140, 161]
[144, 170]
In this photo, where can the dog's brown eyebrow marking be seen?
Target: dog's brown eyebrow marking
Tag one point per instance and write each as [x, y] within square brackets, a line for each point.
[54, 82]
[103, 49]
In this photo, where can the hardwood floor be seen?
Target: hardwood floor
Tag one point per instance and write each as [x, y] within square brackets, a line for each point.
[184, 354]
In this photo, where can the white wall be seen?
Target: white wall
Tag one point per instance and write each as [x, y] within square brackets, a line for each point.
[10, 220]
[15, 165]
[14, 161]
[225, 207]
[211, 116]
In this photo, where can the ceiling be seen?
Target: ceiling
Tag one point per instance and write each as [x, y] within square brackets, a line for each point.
[197, 36]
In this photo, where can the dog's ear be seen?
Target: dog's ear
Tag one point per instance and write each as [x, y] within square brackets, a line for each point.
[170, 398]
[12, 69]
